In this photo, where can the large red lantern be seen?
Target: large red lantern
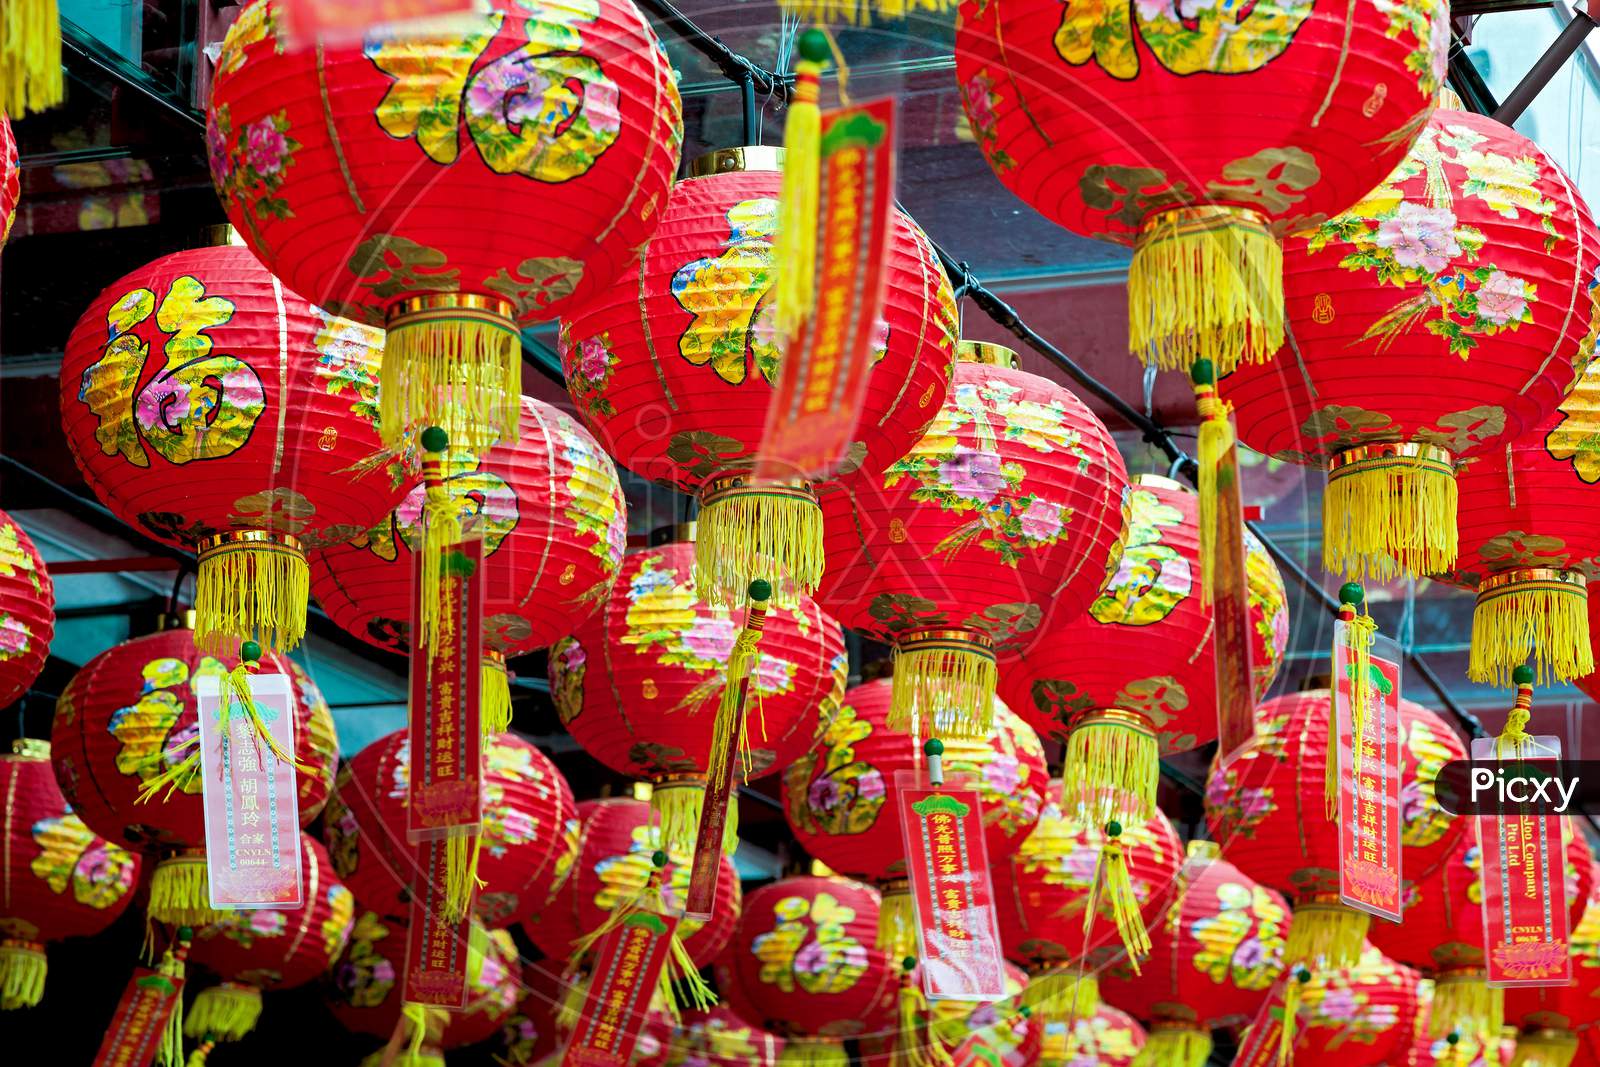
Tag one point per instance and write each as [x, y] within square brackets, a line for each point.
[525, 846]
[127, 718]
[27, 611]
[615, 846]
[638, 684]
[260, 950]
[1082, 686]
[842, 797]
[214, 410]
[550, 510]
[1528, 524]
[1440, 318]
[62, 879]
[1360, 1016]
[675, 373]
[1215, 955]
[1265, 805]
[464, 181]
[804, 962]
[1010, 506]
[1199, 136]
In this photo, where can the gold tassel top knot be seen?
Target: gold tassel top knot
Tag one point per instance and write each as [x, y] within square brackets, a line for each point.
[1515, 734]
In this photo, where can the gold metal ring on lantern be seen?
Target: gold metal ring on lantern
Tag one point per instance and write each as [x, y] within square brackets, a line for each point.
[1133, 720]
[893, 886]
[497, 660]
[1158, 481]
[1320, 901]
[689, 780]
[731, 485]
[31, 748]
[675, 533]
[1188, 221]
[741, 159]
[1398, 454]
[178, 620]
[1187, 1026]
[256, 540]
[1547, 1035]
[1533, 580]
[953, 640]
[453, 307]
[985, 352]
[1459, 974]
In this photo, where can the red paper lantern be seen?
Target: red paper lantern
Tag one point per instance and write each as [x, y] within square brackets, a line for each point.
[1010, 506]
[1106, 1038]
[720, 1038]
[526, 844]
[366, 985]
[122, 721]
[804, 961]
[62, 880]
[1455, 1049]
[638, 683]
[674, 373]
[250, 438]
[1440, 318]
[27, 611]
[1216, 953]
[259, 950]
[315, 789]
[615, 846]
[1199, 136]
[1265, 804]
[1084, 688]
[379, 204]
[1360, 1016]
[10, 179]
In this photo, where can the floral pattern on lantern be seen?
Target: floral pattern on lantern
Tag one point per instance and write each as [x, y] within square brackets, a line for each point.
[1108, 1038]
[27, 610]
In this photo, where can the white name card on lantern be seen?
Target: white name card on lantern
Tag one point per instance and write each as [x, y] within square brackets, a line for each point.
[252, 806]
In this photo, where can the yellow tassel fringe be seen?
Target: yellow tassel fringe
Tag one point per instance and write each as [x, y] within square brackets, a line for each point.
[1205, 283]
[22, 972]
[1062, 994]
[1112, 767]
[732, 714]
[944, 686]
[897, 919]
[1546, 1048]
[170, 1052]
[225, 1012]
[1326, 934]
[863, 12]
[794, 253]
[574, 992]
[462, 374]
[250, 591]
[677, 805]
[1544, 619]
[494, 696]
[180, 892]
[1214, 447]
[753, 531]
[461, 876]
[1111, 877]
[1389, 516]
[1174, 1046]
[1466, 1004]
[680, 985]
[812, 1052]
[1291, 1016]
[30, 57]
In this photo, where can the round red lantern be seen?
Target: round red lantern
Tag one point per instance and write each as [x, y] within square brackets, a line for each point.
[1528, 527]
[1265, 805]
[842, 797]
[253, 951]
[1083, 687]
[63, 880]
[315, 788]
[1199, 137]
[804, 961]
[525, 846]
[127, 718]
[1215, 955]
[27, 611]
[1107, 1037]
[615, 846]
[250, 438]
[658, 653]
[551, 513]
[674, 374]
[720, 1038]
[1360, 1016]
[1010, 505]
[1438, 319]
[466, 179]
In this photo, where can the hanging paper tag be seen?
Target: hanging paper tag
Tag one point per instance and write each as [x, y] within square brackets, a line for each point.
[436, 950]
[627, 971]
[1369, 777]
[822, 377]
[1526, 939]
[947, 862]
[251, 804]
[141, 1017]
[445, 731]
[1231, 633]
[301, 23]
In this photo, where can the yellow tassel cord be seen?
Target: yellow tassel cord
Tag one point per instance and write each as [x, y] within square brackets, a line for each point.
[22, 971]
[1513, 738]
[746, 530]
[1390, 511]
[461, 876]
[794, 253]
[202, 1053]
[494, 696]
[1291, 1013]
[169, 1053]
[1175, 1045]
[454, 361]
[1536, 613]
[573, 994]
[415, 1039]
[225, 1012]
[1215, 446]
[863, 12]
[1111, 878]
[677, 803]
[1466, 1004]
[1205, 283]
[30, 56]
[180, 892]
[812, 1052]
[1112, 766]
[441, 525]
[1546, 1048]
[945, 679]
[915, 1044]
[1327, 934]
[1359, 631]
[250, 587]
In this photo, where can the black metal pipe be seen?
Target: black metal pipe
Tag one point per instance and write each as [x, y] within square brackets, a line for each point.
[1545, 67]
[747, 99]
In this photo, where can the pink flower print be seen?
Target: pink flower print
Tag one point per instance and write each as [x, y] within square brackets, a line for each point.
[1042, 520]
[710, 638]
[13, 636]
[267, 923]
[495, 82]
[870, 785]
[1420, 237]
[979, 109]
[601, 108]
[174, 752]
[1155, 10]
[573, 657]
[973, 474]
[217, 150]
[594, 362]
[1339, 1004]
[823, 794]
[1002, 774]
[1079, 864]
[1250, 954]
[1502, 298]
[265, 147]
